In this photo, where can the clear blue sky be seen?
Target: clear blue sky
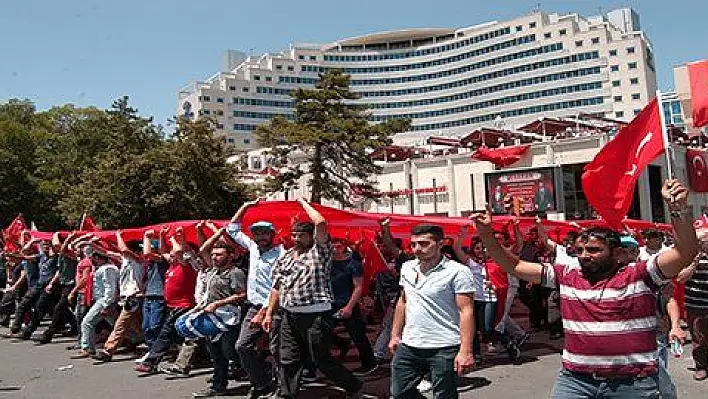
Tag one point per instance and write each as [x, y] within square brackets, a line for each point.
[91, 52]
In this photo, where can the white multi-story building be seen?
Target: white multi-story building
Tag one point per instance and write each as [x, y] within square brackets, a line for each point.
[447, 81]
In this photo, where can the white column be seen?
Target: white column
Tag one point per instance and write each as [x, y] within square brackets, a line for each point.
[451, 189]
[414, 178]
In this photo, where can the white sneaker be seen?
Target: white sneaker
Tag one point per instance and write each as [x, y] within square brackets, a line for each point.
[142, 359]
[424, 386]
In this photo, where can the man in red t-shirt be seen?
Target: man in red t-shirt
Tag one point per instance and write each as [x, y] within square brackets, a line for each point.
[180, 282]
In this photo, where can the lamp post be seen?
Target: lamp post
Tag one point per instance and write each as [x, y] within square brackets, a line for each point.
[435, 197]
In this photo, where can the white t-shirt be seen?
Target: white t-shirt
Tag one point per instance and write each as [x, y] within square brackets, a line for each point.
[482, 286]
[432, 316]
[645, 253]
[563, 258]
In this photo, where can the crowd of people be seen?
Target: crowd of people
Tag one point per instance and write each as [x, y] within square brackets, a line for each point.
[268, 310]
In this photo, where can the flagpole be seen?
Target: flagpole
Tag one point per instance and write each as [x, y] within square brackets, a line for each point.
[665, 135]
[81, 224]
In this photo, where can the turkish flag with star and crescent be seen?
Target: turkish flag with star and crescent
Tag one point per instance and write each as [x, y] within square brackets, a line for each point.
[698, 76]
[609, 180]
[696, 163]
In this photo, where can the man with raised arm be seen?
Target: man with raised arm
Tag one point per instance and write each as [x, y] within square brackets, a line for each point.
[608, 308]
[262, 256]
[301, 288]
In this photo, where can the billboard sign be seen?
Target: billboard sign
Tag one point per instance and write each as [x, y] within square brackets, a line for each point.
[536, 188]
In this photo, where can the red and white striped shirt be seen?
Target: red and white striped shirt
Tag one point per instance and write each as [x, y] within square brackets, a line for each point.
[610, 326]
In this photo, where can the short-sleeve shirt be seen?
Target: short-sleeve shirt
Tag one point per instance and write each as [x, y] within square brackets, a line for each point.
[221, 284]
[343, 274]
[610, 326]
[304, 281]
[180, 283]
[432, 315]
[67, 270]
[47, 269]
[31, 268]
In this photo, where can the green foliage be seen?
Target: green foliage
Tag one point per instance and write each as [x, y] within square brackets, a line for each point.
[114, 165]
[335, 137]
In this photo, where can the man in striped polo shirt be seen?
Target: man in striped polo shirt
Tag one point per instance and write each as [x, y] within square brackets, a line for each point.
[609, 309]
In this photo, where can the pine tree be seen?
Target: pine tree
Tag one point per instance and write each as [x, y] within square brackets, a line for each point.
[336, 138]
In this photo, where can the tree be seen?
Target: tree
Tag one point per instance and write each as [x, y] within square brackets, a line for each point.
[336, 138]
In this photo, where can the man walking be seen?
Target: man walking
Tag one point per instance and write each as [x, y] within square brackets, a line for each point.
[609, 309]
[434, 322]
[262, 256]
[301, 287]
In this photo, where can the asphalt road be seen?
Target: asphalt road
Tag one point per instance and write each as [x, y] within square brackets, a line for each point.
[33, 372]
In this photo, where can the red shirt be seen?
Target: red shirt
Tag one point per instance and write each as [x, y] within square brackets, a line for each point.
[180, 281]
[87, 290]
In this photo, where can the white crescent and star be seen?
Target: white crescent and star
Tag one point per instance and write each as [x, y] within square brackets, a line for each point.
[642, 144]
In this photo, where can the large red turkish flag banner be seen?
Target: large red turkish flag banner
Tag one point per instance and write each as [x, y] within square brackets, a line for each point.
[609, 180]
[697, 169]
[698, 76]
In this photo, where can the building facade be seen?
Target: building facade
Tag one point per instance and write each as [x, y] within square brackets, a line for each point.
[447, 81]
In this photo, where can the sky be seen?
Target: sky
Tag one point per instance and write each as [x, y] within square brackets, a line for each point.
[92, 52]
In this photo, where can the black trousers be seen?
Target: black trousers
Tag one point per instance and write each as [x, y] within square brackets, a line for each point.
[62, 314]
[306, 336]
[25, 306]
[356, 327]
[45, 304]
[222, 352]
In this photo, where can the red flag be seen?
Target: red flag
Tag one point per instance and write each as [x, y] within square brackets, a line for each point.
[88, 224]
[373, 263]
[701, 223]
[501, 156]
[697, 169]
[11, 235]
[609, 180]
[698, 76]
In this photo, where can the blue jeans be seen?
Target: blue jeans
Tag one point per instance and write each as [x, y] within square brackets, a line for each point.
[89, 323]
[577, 385]
[153, 317]
[666, 385]
[381, 345]
[484, 314]
[410, 365]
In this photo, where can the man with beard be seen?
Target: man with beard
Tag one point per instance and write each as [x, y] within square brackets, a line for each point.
[609, 308]
[263, 255]
[301, 288]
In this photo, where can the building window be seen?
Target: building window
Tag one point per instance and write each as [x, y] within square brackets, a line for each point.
[313, 58]
[618, 99]
[279, 67]
[613, 53]
[246, 141]
[635, 96]
[245, 89]
[616, 83]
[219, 100]
[630, 50]
[232, 88]
[614, 68]
[632, 65]
[637, 111]
[579, 43]
[301, 57]
[547, 35]
[219, 112]
[256, 77]
[219, 125]
[206, 99]
[595, 40]
[291, 68]
[519, 28]
[230, 140]
[532, 25]
[634, 81]
[562, 32]
[619, 114]
[268, 78]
